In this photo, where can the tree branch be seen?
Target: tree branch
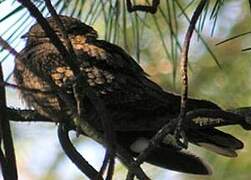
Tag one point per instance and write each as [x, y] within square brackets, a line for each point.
[219, 118]
[184, 60]
[9, 167]
[74, 155]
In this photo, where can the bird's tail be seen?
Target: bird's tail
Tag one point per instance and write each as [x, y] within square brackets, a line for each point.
[183, 161]
[210, 137]
[216, 141]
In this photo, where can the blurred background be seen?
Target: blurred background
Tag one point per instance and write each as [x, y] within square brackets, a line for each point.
[218, 73]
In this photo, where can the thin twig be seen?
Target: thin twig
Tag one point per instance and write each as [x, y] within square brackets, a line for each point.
[105, 163]
[111, 167]
[6, 46]
[184, 67]
[200, 36]
[4, 166]
[184, 59]
[6, 137]
[62, 28]
[232, 38]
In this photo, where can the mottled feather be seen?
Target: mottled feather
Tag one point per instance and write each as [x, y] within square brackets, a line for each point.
[122, 84]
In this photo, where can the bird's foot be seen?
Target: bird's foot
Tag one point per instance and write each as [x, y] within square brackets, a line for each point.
[178, 139]
[77, 125]
[180, 135]
[171, 140]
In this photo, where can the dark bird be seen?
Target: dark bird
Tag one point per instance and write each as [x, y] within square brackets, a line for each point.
[129, 96]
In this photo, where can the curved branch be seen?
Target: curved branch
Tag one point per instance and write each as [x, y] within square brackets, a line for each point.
[73, 154]
[152, 9]
[184, 58]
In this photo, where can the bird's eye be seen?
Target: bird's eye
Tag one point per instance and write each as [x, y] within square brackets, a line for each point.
[74, 30]
[81, 30]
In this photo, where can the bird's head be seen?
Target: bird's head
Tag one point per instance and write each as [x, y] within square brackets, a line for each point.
[72, 26]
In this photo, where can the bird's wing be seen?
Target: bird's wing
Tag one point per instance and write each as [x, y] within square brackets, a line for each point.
[118, 58]
[210, 138]
[119, 79]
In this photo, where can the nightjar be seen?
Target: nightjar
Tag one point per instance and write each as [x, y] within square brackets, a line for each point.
[129, 95]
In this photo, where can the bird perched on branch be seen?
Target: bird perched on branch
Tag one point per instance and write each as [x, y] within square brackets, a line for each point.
[129, 96]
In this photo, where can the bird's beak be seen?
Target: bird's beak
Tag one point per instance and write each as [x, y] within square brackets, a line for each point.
[93, 35]
[24, 36]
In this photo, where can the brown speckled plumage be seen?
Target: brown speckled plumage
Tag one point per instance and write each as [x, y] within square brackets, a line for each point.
[126, 91]
[114, 74]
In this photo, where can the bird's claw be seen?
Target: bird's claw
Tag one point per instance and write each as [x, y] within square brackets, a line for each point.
[77, 124]
[180, 136]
